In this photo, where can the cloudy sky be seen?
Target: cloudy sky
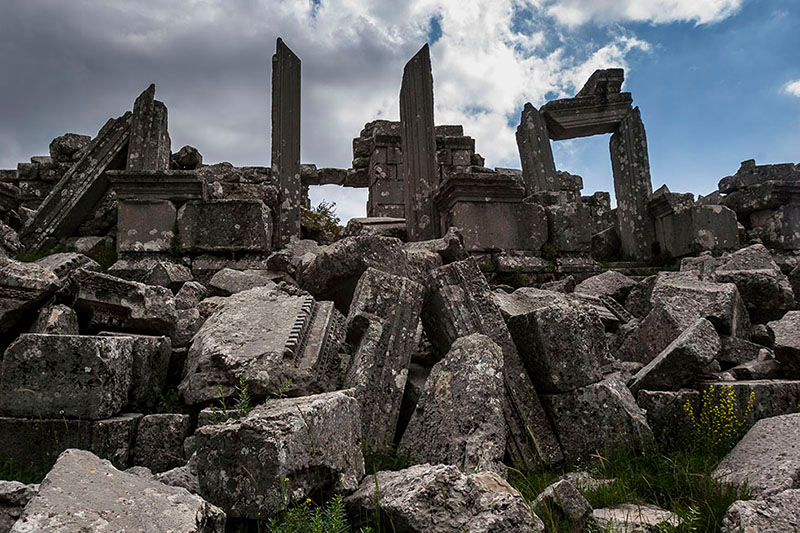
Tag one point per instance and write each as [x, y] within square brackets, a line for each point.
[718, 81]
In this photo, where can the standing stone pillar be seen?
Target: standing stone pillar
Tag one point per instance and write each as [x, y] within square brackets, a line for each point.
[150, 145]
[418, 140]
[535, 152]
[286, 142]
[632, 186]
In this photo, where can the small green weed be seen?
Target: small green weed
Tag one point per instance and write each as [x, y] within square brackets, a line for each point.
[550, 252]
[321, 223]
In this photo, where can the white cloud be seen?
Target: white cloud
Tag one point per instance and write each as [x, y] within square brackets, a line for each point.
[792, 88]
[577, 12]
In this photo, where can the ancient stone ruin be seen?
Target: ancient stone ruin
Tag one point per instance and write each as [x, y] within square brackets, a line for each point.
[176, 355]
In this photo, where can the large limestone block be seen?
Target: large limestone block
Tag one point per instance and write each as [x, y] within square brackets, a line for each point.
[23, 288]
[681, 361]
[610, 283]
[146, 226]
[276, 341]
[85, 493]
[381, 326]
[536, 154]
[293, 446]
[635, 518]
[665, 321]
[778, 513]
[151, 356]
[441, 499]
[229, 281]
[458, 419]
[787, 343]
[72, 376]
[56, 319]
[767, 459]
[159, 441]
[219, 226]
[601, 418]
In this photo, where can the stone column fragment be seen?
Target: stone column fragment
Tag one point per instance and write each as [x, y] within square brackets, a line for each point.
[150, 145]
[286, 141]
[460, 304]
[418, 139]
[632, 186]
[535, 152]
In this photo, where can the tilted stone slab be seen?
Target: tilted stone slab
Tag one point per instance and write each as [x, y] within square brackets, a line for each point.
[85, 493]
[563, 496]
[787, 343]
[65, 375]
[665, 321]
[459, 419]
[23, 288]
[460, 304]
[293, 446]
[767, 459]
[76, 194]
[440, 499]
[535, 152]
[149, 147]
[381, 327]
[609, 283]
[269, 337]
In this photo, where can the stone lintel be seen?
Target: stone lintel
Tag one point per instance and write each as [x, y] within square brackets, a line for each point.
[483, 188]
[581, 117]
[173, 185]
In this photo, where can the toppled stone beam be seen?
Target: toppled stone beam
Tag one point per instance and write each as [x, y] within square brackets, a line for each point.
[23, 288]
[418, 139]
[535, 152]
[286, 141]
[150, 146]
[172, 185]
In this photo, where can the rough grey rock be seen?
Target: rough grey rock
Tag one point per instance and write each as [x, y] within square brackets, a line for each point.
[602, 417]
[295, 258]
[187, 158]
[565, 285]
[228, 281]
[208, 306]
[681, 361]
[458, 419]
[665, 321]
[634, 518]
[182, 476]
[767, 459]
[68, 148]
[190, 295]
[666, 412]
[735, 351]
[787, 343]
[54, 376]
[9, 240]
[23, 288]
[441, 499]
[384, 226]
[292, 446]
[270, 338]
[159, 441]
[381, 327]
[216, 226]
[752, 370]
[13, 498]
[187, 323]
[778, 513]
[64, 264]
[57, 319]
[151, 356]
[450, 247]
[638, 301]
[564, 496]
[85, 493]
[609, 283]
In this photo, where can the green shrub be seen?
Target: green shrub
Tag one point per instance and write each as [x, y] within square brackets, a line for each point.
[321, 223]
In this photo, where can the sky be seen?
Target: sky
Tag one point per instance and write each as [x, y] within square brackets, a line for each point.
[717, 81]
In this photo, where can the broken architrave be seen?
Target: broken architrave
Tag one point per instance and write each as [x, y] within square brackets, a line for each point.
[286, 141]
[535, 152]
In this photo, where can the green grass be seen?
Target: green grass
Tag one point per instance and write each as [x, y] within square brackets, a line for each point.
[11, 471]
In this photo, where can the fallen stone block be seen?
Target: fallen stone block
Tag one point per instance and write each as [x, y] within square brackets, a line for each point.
[23, 288]
[159, 441]
[638, 301]
[753, 370]
[787, 343]
[187, 323]
[774, 514]
[681, 361]
[14, 496]
[182, 476]
[459, 419]
[610, 283]
[735, 351]
[68, 148]
[450, 247]
[85, 493]
[190, 295]
[53, 376]
[228, 281]
[275, 341]
[441, 498]
[187, 158]
[218, 226]
[56, 319]
[293, 446]
[632, 518]
[600, 418]
[767, 459]
[149, 367]
[563, 495]
[295, 258]
[64, 264]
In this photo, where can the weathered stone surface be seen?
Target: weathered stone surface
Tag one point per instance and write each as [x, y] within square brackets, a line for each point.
[13, 498]
[631, 168]
[334, 272]
[9, 240]
[569, 227]
[23, 287]
[159, 441]
[190, 295]
[269, 337]
[295, 258]
[187, 158]
[681, 361]
[146, 226]
[767, 459]
[384, 226]
[151, 356]
[381, 327]
[752, 370]
[85, 493]
[458, 419]
[663, 324]
[108, 302]
[286, 141]
[587, 113]
[634, 518]
[228, 281]
[441, 498]
[149, 147]
[787, 343]
[77, 193]
[774, 514]
[64, 264]
[182, 476]
[292, 446]
[151, 269]
[65, 375]
[33, 444]
[545, 326]
[751, 174]
[535, 152]
[610, 283]
[638, 301]
[460, 304]
[666, 412]
[225, 226]
[418, 142]
[735, 351]
[57, 319]
[601, 418]
[69, 148]
[563, 495]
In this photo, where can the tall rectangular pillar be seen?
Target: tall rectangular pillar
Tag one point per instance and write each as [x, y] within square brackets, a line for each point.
[535, 152]
[286, 142]
[418, 140]
[150, 145]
